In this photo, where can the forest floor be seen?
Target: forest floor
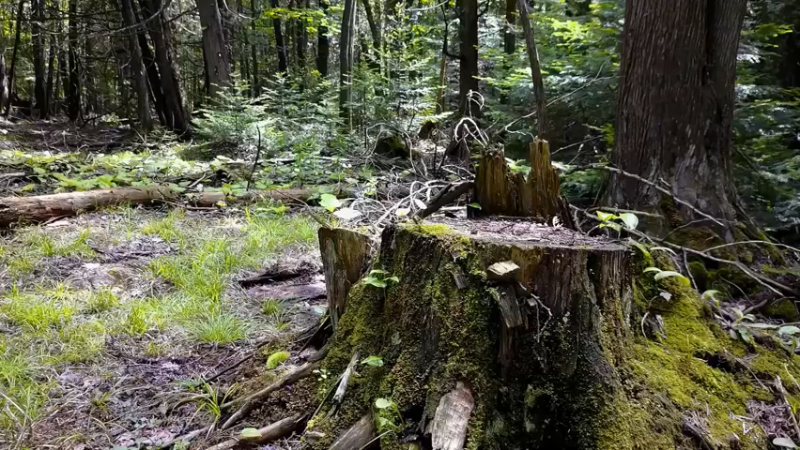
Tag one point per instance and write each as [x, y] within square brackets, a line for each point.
[111, 321]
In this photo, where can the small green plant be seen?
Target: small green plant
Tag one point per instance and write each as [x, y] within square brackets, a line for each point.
[380, 279]
[664, 274]
[212, 402]
[322, 374]
[609, 220]
[387, 418]
[219, 329]
[272, 307]
[101, 301]
[276, 359]
[373, 361]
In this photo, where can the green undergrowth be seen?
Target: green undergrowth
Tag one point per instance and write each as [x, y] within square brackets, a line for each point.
[696, 369]
[51, 323]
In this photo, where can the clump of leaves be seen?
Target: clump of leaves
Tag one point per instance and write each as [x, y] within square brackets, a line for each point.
[380, 279]
[609, 220]
[373, 361]
[387, 417]
[276, 359]
[664, 274]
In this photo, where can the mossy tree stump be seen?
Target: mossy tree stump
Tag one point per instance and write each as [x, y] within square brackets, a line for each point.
[536, 344]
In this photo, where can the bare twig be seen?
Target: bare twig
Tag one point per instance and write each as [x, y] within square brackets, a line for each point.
[269, 433]
[255, 161]
[774, 244]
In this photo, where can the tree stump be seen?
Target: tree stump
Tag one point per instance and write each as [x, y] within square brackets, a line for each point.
[537, 348]
[345, 256]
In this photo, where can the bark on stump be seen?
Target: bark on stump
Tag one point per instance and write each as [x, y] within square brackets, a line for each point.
[345, 256]
[537, 348]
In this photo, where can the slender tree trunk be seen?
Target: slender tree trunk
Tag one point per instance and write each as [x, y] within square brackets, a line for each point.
[301, 39]
[675, 105]
[254, 49]
[244, 48]
[280, 44]
[468, 64]
[373, 57]
[536, 69]
[3, 79]
[63, 76]
[74, 88]
[153, 76]
[51, 76]
[176, 117]
[39, 67]
[346, 62]
[509, 35]
[137, 67]
[215, 50]
[11, 72]
[323, 43]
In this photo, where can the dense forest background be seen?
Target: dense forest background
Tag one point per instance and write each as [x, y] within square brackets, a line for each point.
[336, 77]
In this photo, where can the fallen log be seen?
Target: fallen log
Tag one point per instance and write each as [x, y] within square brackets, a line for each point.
[29, 210]
[269, 433]
[362, 433]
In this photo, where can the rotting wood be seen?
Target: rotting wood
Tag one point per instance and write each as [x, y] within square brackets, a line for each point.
[503, 271]
[269, 433]
[445, 196]
[449, 426]
[41, 208]
[345, 256]
[357, 436]
[499, 191]
[506, 298]
[251, 401]
[341, 389]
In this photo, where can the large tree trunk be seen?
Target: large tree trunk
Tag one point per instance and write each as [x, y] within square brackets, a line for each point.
[153, 77]
[675, 106]
[346, 44]
[509, 34]
[280, 44]
[39, 67]
[215, 50]
[138, 70]
[468, 64]
[532, 354]
[74, 87]
[323, 43]
[373, 56]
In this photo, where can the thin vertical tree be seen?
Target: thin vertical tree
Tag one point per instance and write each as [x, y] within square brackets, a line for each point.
[280, 44]
[138, 70]
[39, 67]
[74, 85]
[12, 70]
[254, 48]
[346, 43]
[323, 42]
[536, 69]
[468, 86]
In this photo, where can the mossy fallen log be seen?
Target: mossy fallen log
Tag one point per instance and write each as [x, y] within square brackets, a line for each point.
[605, 357]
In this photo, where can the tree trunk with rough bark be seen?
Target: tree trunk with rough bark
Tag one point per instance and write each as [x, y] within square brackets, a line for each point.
[468, 101]
[215, 50]
[256, 88]
[51, 75]
[675, 107]
[12, 70]
[509, 34]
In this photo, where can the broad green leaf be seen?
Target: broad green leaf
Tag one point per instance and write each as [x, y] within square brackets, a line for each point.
[403, 211]
[630, 220]
[709, 294]
[789, 330]
[762, 326]
[642, 248]
[329, 202]
[383, 403]
[746, 336]
[393, 278]
[652, 269]
[605, 217]
[374, 361]
[614, 226]
[475, 205]
[670, 274]
[377, 272]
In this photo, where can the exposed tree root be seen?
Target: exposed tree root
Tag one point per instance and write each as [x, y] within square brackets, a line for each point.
[268, 433]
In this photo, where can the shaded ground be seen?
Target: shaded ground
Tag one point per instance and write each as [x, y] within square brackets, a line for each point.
[110, 320]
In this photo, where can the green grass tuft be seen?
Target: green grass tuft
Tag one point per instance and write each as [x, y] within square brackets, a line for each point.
[219, 329]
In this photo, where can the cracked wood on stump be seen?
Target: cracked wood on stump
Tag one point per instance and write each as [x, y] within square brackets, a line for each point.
[449, 426]
[502, 192]
[345, 255]
[540, 350]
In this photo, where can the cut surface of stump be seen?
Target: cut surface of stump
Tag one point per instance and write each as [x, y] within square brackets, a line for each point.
[538, 347]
